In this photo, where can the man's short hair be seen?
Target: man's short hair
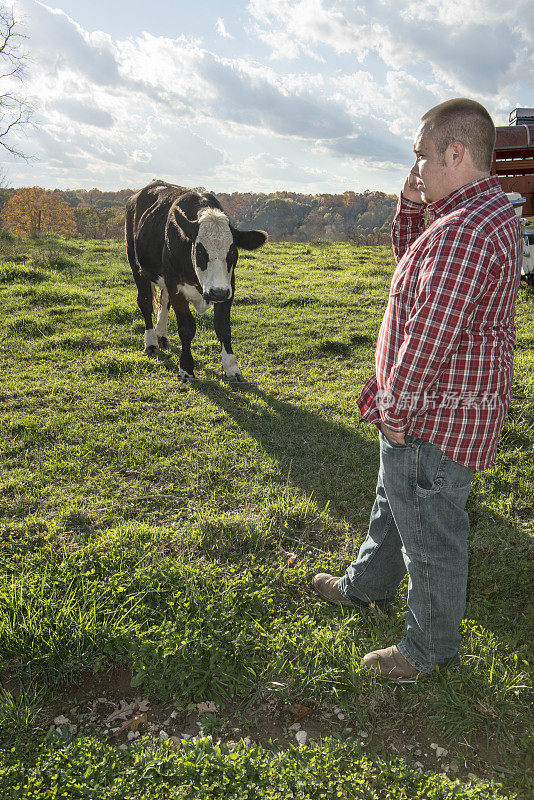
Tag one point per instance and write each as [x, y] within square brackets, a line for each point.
[466, 121]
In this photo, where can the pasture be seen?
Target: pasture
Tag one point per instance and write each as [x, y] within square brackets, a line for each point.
[145, 532]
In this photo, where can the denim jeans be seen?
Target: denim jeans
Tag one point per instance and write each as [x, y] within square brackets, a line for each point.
[418, 525]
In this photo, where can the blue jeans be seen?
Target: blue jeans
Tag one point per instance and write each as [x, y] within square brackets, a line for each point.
[418, 525]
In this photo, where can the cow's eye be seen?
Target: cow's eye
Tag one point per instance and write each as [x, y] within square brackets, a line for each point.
[201, 256]
[231, 257]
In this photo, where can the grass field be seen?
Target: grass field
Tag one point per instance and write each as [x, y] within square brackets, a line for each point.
[145, 530]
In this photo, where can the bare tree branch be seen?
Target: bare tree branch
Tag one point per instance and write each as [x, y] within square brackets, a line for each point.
[15, 110]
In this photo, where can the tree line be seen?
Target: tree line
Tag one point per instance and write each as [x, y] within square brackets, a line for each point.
[364, 218]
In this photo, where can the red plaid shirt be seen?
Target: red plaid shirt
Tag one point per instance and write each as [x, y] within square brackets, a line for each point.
[444, 356]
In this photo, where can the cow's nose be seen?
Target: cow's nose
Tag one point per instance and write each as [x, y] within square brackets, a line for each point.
[217, 295]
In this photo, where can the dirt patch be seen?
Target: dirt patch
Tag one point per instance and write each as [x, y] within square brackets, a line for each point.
[105, 704]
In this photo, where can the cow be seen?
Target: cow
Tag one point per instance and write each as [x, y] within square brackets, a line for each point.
[182, 241]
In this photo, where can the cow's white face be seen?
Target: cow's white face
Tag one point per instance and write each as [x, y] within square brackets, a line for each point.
[214, 255]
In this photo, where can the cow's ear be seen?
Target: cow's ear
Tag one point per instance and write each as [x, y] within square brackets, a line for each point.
[249, 240]
[189, 226]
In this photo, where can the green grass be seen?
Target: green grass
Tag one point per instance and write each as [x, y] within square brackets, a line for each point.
[143, 527]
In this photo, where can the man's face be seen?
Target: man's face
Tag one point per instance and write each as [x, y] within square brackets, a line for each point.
[430, 169]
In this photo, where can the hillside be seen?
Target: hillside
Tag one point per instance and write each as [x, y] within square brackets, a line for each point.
[287, 216]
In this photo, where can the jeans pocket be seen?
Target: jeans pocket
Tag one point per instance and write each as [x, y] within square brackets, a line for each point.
[436, 472]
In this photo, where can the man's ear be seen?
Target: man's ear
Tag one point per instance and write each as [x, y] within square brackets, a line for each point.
[190, 227]
[456, 153]
[248, 240]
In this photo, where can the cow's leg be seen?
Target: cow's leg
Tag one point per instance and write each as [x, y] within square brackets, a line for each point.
[186, 330]
[221, 321]
[163, 319]
[144, 298]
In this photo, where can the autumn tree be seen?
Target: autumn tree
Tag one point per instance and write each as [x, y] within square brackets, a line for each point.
[34, 211]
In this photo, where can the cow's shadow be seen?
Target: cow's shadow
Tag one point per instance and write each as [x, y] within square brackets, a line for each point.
[332, 462]
[338, 466]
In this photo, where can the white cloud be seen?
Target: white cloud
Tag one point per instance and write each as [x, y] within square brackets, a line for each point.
[221, 29]
[469, 46]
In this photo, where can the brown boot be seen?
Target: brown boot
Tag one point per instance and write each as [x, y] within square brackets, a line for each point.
[390, 663]
[326, 587]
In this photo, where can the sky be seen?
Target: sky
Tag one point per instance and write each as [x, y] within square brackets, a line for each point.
[254, 95]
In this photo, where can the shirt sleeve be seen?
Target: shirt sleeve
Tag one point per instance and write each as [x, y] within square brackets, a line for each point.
[408, 224]
[454, 275]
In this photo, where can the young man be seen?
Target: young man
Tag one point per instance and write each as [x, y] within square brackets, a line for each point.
[444, 366]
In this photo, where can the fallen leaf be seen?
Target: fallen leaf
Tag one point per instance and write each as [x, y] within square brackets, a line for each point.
[126, 710]
[132, 724]
[122, 712]
[207, 708]
[298, 711]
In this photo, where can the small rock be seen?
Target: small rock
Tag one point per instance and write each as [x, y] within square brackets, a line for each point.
[163, 735]
[123, 747]
[133, 735]
[418, 765]
[301, 737]
[363, 734]
[341, 716]
[174, 714]
[392, 747]
[441, 752]
[61, 720]
[295, 727]
[336, 710]
[433, 745]
[247, 741]
[471, 776]
[185, 736]
[73, 729]
[167, 722]
[454, 766]
[417, 752]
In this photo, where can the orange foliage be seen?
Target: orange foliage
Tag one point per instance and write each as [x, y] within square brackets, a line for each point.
[33, 211]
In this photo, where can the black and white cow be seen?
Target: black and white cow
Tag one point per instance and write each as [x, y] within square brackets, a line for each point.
[182, 241]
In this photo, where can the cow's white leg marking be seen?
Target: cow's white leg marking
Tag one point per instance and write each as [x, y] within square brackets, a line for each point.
[151, 341]
[184, 376]
[163, 318]
[230, 366]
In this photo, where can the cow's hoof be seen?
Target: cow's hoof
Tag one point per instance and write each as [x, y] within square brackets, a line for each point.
[163, 342]
[151, 351]
[236, 377]
[185, 377]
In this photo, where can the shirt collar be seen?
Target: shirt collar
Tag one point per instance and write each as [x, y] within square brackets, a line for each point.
[462, 195]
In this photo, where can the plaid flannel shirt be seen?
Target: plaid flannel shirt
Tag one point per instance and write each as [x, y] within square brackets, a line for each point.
[444, 356]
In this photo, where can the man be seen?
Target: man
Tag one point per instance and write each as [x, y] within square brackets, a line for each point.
[442, 385]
